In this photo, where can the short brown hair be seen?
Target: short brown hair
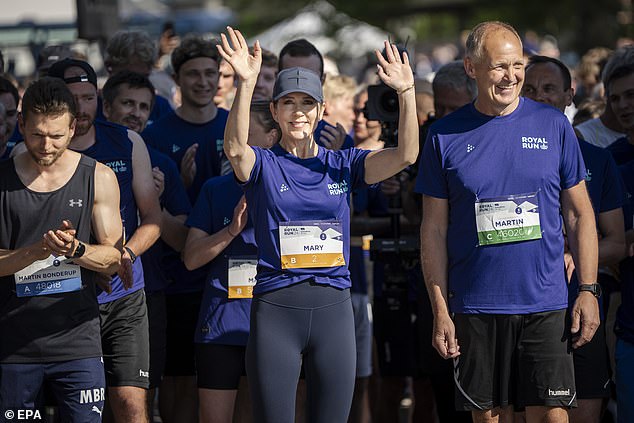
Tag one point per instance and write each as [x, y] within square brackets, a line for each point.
[125, 45]
[192, 47]
[50, 97]
[261, 111]
[269, 59]
[134, 80]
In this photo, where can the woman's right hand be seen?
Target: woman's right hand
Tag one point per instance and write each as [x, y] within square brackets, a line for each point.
[235, 51]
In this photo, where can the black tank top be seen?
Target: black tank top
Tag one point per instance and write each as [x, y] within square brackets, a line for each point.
[57, 326]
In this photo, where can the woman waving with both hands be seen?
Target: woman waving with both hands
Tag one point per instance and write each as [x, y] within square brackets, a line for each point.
[298, 198]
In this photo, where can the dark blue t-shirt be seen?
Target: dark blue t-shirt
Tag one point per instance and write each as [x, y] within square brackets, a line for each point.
[605, 189]
[285, 189]
[471, 158]
[172, 136]
[622, 151]
[222, 320]
[161, 109]
[173, 199]
[624, 327]
[113, 148]
[603, 180]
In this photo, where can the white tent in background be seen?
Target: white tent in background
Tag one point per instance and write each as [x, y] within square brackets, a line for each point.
[334, 33]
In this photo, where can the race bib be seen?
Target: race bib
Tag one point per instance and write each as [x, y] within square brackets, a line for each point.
[508, 219]
[53, 275]
[241, 277]
[308, 244]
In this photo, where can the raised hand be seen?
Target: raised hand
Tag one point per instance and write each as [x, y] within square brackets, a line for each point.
[394, 72]
[235, 51]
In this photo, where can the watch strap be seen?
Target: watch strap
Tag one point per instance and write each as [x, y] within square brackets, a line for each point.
[79, 250]
[131, 253]
[593, 288]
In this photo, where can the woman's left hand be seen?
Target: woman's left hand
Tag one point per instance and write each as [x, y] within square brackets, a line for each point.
[395, 72]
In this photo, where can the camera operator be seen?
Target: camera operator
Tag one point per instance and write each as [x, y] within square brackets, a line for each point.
[396, 276]
[399, 300]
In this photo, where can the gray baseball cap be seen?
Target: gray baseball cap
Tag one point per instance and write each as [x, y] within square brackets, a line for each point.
[298, 80]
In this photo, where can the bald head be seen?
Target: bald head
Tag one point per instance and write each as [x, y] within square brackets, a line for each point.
[476, 41]
[496, 61]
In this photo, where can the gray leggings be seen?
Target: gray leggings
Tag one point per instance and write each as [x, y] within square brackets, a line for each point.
[303, 322]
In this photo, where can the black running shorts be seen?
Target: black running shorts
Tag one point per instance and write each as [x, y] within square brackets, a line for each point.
[520, 360]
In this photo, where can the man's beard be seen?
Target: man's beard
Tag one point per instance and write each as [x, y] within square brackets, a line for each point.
[83, 126]
[47, 161]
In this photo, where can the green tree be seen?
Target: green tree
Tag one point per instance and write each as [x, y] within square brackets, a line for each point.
[578, 25]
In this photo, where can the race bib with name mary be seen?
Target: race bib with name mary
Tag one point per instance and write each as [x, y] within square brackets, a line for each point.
[308, 244]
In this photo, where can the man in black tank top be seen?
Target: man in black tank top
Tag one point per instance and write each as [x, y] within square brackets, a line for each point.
[59, 228]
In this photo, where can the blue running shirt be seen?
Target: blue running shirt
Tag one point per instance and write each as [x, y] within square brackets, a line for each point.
[222, 320]
[470, 157]
[285, 188]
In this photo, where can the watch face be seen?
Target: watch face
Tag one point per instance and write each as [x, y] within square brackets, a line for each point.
[79, 251]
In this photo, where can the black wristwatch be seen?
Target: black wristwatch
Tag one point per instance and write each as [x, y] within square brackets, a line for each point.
[132, 255]
[594, 288]
[79, 251]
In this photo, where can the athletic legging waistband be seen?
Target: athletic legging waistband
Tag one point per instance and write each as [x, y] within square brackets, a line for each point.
[305, 295]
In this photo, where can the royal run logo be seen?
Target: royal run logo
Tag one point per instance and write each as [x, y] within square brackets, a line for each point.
[338, 188]
[534, 143]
